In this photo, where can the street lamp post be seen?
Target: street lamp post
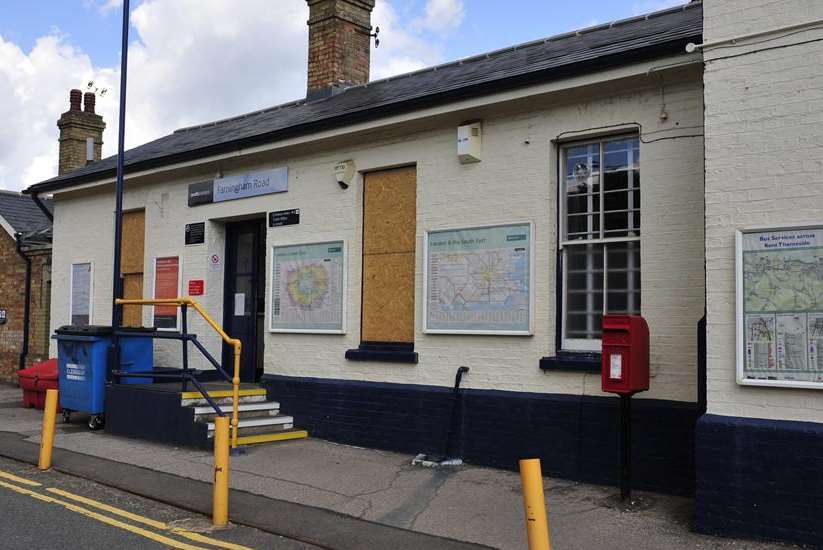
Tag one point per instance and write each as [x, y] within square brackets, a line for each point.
[117, 281]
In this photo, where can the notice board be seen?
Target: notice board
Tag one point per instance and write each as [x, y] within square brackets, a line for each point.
[166, 286]
[780, 306]
[308, 284]
[478, 280]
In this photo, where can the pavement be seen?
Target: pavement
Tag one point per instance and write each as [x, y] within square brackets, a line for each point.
[338, 496]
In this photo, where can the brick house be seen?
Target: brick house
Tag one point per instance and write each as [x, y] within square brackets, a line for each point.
[25, 283]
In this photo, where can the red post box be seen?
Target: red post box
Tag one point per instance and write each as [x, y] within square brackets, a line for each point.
[625, 359]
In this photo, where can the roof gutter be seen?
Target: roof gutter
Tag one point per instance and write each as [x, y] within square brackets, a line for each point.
[733, 41]
[674, 47]
[35, 196]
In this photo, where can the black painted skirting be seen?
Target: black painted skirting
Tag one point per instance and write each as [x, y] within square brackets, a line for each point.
[137, 411]
[760, 478]
[576, 437]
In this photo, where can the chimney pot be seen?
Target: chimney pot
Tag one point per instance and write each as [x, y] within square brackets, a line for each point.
[75, 96]
[88, 102]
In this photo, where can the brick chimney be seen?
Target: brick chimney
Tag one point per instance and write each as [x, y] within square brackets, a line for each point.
[339, 45]
[81, 133]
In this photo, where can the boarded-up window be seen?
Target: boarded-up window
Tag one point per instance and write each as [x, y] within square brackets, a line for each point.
[131, 264]
[389, 230]
[80, 304]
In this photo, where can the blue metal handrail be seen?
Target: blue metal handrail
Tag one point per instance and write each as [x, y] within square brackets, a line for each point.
[185, 374]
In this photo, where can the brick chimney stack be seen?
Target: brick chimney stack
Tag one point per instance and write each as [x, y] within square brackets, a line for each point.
[81, 133]
[339, 45]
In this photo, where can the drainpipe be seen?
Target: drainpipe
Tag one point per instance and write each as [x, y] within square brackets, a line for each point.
[27, 307]
[453, 439]
[41, 206]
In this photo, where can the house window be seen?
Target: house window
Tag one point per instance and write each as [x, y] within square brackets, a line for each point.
[166, 286]
[600, 236]
[80, 302]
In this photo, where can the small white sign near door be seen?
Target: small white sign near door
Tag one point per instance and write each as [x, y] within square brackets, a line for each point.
[215, 263]
[239, 304]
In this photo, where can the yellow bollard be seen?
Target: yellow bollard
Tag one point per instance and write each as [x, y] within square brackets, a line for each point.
[537, 526]
[220, 504]
[47, 439]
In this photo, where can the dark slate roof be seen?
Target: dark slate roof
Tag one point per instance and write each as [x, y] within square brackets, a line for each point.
[588, 50]
[22, 214]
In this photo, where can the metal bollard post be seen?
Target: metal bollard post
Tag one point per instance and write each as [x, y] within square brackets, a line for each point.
[220, 504]
[47, 439]
[537, 527]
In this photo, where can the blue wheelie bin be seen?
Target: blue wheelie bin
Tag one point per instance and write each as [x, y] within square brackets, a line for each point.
[136, 353]
[82, 357]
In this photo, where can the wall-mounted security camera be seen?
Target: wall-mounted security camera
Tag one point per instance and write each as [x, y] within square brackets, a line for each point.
[344, 173]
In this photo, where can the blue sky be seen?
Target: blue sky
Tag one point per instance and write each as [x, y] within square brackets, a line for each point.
[194, 61]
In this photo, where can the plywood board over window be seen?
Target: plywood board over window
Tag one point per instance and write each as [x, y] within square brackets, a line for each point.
[389, 234]
[131, 264]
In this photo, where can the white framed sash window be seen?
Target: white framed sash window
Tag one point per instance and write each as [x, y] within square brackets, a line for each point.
[600, 235]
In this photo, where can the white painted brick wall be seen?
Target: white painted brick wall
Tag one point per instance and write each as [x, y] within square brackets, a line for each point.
[514, 181]
[764, 165]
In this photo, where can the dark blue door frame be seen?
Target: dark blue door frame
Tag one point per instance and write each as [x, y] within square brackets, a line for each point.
[244, 294]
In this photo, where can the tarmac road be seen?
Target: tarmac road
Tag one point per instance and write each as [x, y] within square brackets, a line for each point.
[53, 510]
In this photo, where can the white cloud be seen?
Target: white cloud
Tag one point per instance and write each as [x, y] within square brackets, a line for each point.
[233, 57]
[34, 88]
[190, 61]
[441, 15]
[401, 50]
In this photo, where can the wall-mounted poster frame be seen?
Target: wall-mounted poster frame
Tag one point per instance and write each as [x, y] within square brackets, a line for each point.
[779, 306]
[311, 259]
[495, 241]
[90, 296]
[163, 271]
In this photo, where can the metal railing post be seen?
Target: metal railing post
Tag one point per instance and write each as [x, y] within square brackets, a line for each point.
[235, 398]
[183, 303]
[185, 325]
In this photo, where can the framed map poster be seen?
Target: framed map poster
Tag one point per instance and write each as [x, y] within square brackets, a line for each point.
[308, 288]
[780, 306]
[478, 280]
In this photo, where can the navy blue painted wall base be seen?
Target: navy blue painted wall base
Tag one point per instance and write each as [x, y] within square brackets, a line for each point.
[576, 437]
[760, 478]
[139, 412]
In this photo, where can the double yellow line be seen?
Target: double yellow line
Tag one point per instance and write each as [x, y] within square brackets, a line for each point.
[26, 487]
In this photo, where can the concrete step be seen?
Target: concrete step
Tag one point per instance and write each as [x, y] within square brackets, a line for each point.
[253, 426]
[222, 397]
[272, 437]
[206, 413]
